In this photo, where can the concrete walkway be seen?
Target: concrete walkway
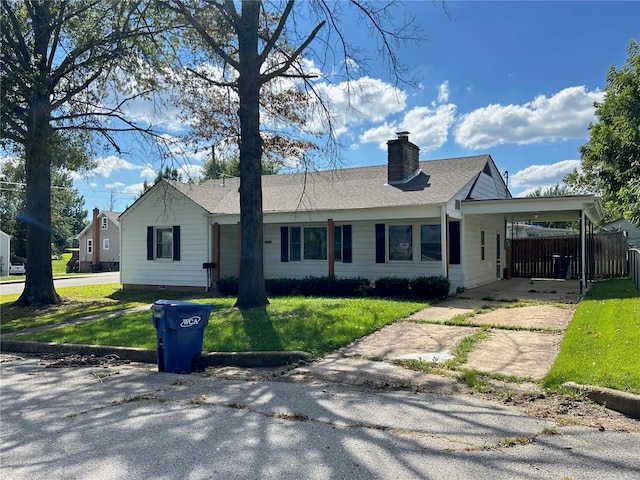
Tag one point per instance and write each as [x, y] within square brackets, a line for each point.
[519, 341]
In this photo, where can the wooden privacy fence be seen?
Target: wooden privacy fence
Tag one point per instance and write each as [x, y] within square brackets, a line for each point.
[559, 257]
[634, 267]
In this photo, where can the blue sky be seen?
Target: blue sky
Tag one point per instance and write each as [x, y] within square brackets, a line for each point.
[516, 80]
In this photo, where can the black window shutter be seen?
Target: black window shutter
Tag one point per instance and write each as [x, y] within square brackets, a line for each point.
[149, 243]
[346, 244]
[176, 242]
[380, 243]
[454, 243]
[284, 244]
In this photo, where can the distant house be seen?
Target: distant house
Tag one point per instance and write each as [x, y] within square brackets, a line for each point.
[5, 253]
[407, 218]
[621, 225]
[99, 243]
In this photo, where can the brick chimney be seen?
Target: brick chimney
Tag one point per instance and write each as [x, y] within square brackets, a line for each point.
[402, 159]
[95, 255]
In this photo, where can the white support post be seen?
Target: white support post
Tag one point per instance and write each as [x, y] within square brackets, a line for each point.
[444, 240]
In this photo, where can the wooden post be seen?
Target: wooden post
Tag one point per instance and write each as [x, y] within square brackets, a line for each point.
[331, 253]
[239, 247]
[216, 251]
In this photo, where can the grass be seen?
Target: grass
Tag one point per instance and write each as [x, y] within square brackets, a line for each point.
[602, 343]
[315, 325]
[78, 302]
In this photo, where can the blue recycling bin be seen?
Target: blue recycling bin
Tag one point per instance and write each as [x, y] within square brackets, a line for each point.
[180, 331]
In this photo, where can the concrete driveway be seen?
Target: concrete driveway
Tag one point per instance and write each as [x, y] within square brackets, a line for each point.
[520, 341]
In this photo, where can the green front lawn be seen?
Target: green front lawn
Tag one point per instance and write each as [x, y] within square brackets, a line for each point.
[315, 325]
[602, 344]
[78, 302]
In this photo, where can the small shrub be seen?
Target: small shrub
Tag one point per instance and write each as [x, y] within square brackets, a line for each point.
[430, 287]
[392, 287]
[228, 286]
[316, 286]
[281, 287]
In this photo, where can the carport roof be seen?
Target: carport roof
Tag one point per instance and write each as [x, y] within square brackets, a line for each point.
[567, 207]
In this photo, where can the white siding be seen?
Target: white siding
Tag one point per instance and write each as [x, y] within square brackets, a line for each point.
[363, 255]
[163, 208]
[485, 188]
[477, 271]
[228, 251]
[5, 253]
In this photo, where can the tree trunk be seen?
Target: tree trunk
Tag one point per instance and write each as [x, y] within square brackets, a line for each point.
[251, 292]
[38, 288]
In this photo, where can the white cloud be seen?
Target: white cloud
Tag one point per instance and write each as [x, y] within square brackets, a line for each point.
[429, 128]
[114, 186]
[542, 176]
[148, 172]
[107, 165]
[542, 187]
[565, 115]
[443, 92]
[135, 189]
[364, 100]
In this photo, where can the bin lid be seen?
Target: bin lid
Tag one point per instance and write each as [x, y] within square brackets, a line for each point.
[179, 304]
[174, 314]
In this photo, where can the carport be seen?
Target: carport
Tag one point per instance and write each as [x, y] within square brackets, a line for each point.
[585, 209]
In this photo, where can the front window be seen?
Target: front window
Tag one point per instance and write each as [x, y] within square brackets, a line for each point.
[400, 242]
[311, 243]
[315, 243]
[164, 243]
[430, 246]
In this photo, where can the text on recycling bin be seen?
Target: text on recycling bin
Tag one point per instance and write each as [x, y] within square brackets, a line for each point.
[191, 321]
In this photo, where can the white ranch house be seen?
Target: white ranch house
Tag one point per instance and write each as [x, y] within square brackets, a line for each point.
[408, 218]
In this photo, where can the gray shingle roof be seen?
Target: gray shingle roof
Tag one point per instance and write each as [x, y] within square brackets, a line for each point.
[351, 188]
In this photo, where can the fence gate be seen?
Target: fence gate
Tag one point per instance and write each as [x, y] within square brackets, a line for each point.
[607, 255]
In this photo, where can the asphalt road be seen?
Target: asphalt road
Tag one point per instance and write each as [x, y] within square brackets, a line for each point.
[131, 421]
[88, 279]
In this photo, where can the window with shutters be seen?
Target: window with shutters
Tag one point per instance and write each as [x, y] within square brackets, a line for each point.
[163, 243]
[312, 243]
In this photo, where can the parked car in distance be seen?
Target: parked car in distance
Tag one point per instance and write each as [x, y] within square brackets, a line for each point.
[16, 268]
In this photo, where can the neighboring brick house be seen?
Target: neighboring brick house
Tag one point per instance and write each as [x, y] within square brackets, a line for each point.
[99, 243]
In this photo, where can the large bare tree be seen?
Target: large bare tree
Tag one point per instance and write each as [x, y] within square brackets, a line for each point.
[58, 59]
[260, 43]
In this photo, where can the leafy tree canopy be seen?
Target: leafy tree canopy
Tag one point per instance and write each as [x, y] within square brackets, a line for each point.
[611, 157]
